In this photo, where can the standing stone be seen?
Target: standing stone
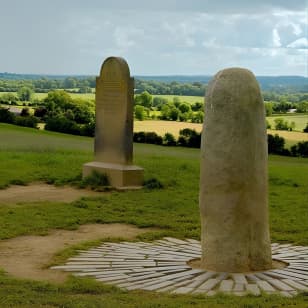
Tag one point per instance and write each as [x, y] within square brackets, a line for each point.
[114, 126]
[233, 184]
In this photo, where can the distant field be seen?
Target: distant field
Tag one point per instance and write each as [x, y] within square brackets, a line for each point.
[162, 127]
[300, 120]
[290, 137]
[183, 98]
[41, 96]
[188, 99]
[73, 95]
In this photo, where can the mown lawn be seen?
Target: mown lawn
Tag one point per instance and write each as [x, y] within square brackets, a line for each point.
[28, 155]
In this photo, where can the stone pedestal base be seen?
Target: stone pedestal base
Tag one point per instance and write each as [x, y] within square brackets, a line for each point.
[120, 176]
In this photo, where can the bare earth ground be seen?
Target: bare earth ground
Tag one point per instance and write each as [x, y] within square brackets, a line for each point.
[26, 256]
[42, 192]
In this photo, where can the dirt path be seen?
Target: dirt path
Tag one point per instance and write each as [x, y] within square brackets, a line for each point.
[42, 192]
[25, 256]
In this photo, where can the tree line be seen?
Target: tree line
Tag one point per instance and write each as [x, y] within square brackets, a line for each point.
[190, 138]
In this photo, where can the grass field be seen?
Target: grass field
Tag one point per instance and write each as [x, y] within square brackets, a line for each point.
[162, 127]
[188, 99]
[183, 98]
[28, 155]
[300, 120]
[41, 96]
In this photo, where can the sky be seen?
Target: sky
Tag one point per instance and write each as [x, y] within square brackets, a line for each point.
[157, 37]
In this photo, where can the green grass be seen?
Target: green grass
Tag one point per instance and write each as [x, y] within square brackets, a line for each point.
[183, 98]
[32, 155]
[91, 96]
[41, 96]
[301, 120]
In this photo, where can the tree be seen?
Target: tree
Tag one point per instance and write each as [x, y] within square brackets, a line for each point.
[70, 83]
[8, 98]
[174, 114]
[159, 101]
[25, 94]
[184, 107]
[25, 112]
[139, 112]
[197, 106]
[144, 99]
[165, 111]
[302, 107]
[268, 108]
[280, 124]
[275, 144]
[169, 139]
[58, 98]
[197, 117]
[176, 101]
[6, 116]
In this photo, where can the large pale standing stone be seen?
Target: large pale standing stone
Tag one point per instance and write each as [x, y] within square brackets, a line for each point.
[114, 126]
[233, 183]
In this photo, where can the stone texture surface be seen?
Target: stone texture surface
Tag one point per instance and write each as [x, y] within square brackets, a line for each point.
[114, 126]
[114, 113]
[133, 266]
[233, 178]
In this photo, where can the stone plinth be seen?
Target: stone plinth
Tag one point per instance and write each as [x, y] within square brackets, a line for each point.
[233, 183]
[114, 126]
[120, 176]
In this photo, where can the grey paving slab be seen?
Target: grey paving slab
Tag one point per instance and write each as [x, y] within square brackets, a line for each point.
[278, 284]
[158, 286]
[276, 275]
[239, 287]
[253, 289]
[209, 284]
[265, 286]
[144, 278]
[198, 280]
[226, 285]
[182, 290]
[295, 284]
[251, 277]
[175, 240]
[290, 273]
[239, 278]
[162, 266]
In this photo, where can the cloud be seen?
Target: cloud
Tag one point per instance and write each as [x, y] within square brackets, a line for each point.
[156, 37]
[276, 38]
[301, 43]
[206, 6]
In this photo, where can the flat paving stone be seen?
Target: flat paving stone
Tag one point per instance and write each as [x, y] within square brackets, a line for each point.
[253, 289]
[265, 286]
[162, 266]
[226, 285]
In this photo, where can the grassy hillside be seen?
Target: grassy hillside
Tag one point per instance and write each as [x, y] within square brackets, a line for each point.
[28, 155]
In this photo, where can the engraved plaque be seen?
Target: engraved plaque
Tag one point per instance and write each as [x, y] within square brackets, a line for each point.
[114, 113]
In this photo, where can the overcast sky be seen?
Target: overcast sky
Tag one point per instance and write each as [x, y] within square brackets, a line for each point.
[156, 37]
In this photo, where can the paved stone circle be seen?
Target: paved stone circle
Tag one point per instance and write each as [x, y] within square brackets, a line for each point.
[162, 266]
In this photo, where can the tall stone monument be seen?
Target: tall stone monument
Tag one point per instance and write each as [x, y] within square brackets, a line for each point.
[114, 126]
[233, 184]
